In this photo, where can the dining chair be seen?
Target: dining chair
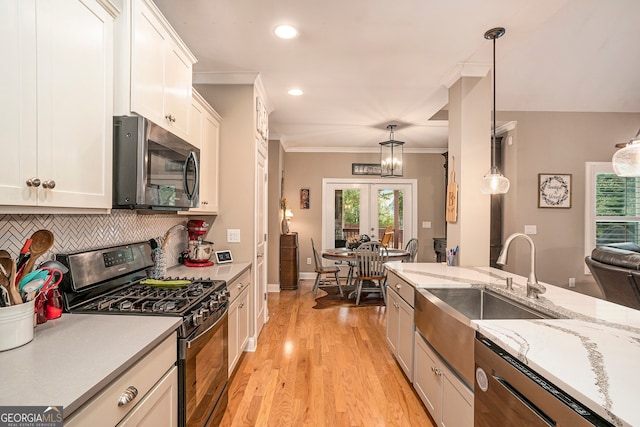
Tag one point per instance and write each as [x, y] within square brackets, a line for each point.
[387, 236]
[322, 274]
[372, 273]
[412, 248]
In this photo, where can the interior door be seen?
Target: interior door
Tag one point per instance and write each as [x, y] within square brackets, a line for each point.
[260, 288]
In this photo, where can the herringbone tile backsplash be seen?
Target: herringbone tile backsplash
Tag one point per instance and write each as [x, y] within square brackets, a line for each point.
[80, 232]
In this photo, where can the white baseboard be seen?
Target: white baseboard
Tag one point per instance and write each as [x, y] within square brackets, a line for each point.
[273, 287]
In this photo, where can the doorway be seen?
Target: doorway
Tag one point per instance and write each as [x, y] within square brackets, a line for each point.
[354, 207]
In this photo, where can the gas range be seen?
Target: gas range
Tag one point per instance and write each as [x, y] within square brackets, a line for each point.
[112, 281]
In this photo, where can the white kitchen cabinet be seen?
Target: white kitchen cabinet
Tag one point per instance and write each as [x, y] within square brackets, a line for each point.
[447, 399]
[144, 395]
[400, 325]
[57, 104]
[205, 133]
[239, 317]
[154, 68]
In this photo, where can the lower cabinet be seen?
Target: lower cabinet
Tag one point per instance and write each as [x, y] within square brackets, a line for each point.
[400, 329]
[239, 317]
[448, 400]
[144, 395]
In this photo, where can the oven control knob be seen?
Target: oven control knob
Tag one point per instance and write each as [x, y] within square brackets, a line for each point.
[196, 319]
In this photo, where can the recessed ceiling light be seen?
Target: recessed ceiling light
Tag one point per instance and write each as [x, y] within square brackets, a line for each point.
[295, 92]
[285, 31]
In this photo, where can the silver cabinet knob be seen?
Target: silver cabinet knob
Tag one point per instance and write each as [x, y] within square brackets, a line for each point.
[128, 395]
[50, 184]
[170, 118]
[33, 182]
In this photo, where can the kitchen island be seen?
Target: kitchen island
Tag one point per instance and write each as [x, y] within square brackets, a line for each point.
[590, 351]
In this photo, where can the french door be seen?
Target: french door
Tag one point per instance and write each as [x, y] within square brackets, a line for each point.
[353, 207]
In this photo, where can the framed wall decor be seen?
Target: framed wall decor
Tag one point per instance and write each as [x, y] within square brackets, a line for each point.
[305, 194]
[554, 190]
[366, 169]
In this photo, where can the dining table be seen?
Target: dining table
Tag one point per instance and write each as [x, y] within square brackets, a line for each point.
[348, 257]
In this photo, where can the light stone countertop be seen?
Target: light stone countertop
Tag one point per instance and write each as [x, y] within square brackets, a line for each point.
[591, 352]
[72, 358]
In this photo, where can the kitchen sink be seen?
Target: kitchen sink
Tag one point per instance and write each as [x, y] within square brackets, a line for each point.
[476, 304]
[443, 317]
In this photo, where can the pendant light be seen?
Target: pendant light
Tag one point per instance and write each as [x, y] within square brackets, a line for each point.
[626, 162]
[494, 182]
[391, 156]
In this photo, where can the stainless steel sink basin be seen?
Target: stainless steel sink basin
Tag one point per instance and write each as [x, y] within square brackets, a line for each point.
[443, 317]
[475, 304]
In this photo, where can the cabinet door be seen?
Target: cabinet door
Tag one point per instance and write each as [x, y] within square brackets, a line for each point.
[195, 123]
[147, 64]
[177, 89]
[234, 354]
[426, 378]
[75, 103]
[405, 337]
[159, 408]
[457, 403]
[208, 166]
[243, 320]
[392, 320]
[18, 131]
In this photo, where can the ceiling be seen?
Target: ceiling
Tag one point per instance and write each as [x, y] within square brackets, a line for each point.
[364, 64]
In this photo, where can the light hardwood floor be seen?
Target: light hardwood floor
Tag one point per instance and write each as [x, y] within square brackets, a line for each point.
[329, 367]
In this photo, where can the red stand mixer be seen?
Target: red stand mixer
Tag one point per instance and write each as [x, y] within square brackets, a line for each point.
[199, 251]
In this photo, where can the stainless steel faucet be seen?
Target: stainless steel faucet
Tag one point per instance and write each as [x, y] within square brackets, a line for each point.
[533, 287]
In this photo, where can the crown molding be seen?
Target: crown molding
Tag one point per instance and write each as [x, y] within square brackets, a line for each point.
[465, 70]
[509, 126]
[357, 150]
[225, 78]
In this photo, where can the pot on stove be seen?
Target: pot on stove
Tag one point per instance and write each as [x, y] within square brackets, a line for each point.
[200, 251]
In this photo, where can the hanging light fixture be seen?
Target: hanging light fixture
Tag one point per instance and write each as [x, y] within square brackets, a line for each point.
[494, 182]
[626, 162]
[391, 156]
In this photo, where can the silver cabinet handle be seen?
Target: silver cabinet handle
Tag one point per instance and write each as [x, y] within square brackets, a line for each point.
[240, 286]
[50, 184]
[33, 182]
[170, 118]
[128, 395]
[259, 255]
[241, 305]
[204, 202]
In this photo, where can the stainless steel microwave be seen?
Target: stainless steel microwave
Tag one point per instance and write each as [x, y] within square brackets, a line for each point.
[152, 168]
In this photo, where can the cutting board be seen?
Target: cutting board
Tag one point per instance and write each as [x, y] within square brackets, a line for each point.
[452, 197]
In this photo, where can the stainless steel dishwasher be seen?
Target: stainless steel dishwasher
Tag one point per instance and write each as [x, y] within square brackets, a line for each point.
[509, 393]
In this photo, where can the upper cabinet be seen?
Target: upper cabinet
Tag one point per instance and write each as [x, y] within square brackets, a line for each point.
[205, 134]
[154, 68]
[57, 104]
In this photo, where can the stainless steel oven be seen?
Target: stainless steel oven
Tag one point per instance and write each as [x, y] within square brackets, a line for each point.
[508, 393]
[110, 281]
[203, 359]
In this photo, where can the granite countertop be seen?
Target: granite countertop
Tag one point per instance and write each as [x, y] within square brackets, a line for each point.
[72, 358]
[590, 352]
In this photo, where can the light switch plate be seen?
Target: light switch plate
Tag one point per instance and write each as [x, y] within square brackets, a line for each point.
[233, 236]
[530, 229]
[426, 224]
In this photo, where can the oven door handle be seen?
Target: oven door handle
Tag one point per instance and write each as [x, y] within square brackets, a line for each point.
[192, 340]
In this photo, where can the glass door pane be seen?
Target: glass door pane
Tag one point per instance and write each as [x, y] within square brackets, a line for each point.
[391, 210]
[346, 209]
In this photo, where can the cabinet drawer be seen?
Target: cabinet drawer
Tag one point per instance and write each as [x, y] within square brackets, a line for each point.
[404, 289]
[238, 285]
[103, 408]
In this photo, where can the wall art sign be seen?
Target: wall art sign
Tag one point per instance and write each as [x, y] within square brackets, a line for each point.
[366, 169]
[554, 190]
[305, 193]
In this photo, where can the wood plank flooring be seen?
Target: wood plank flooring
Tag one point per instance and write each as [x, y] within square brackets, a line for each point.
[330, 367]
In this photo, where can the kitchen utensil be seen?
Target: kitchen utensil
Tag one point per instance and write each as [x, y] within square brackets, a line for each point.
[54, 265]
[31, 289]
[42, 241]
[9, 266]
[53, 305]
[4, 254]
[24, 252]
[166, 235]
[29, 277]
[4, 295]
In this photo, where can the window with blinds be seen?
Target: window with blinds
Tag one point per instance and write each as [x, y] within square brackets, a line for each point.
[617, 212]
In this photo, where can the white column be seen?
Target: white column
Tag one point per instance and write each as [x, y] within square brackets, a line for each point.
[470, 145]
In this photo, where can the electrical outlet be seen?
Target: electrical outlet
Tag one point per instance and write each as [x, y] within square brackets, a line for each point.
[572, 282]
[530, 229]
[308, 261]
[426, 224]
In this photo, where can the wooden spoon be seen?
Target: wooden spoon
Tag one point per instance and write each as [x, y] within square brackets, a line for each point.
[4, 254]
[10, 267]
[41, 242]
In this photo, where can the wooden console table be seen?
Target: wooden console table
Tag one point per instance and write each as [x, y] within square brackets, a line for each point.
[289, 261]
